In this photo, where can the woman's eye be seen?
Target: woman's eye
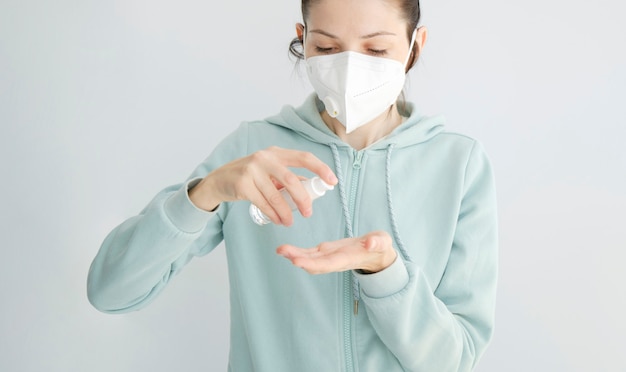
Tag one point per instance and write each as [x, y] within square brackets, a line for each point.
[377, 52]
[323, 50]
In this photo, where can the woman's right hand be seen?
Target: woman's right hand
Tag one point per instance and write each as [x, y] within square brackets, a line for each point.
[258, 178]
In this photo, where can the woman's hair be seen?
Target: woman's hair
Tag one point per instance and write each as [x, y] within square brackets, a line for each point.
[409, 8]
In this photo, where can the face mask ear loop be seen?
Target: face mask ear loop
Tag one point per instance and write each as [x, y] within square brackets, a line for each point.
[303, 42]
[411, 46]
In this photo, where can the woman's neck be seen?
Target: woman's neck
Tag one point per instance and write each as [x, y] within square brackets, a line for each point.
[367, 134]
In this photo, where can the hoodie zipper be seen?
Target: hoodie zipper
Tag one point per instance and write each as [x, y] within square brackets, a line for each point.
[347, 321]
[356, 172]
[347, 276]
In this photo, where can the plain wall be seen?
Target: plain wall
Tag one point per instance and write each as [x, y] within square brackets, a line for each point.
[104, 103]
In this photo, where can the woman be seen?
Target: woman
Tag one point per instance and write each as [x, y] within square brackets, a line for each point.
[395, 270]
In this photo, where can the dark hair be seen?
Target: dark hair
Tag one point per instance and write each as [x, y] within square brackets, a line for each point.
[410, 9]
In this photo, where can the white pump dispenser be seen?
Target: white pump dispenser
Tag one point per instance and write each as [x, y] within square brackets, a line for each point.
[315, 186]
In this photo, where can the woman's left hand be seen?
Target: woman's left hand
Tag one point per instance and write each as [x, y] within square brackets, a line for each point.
[371, 253]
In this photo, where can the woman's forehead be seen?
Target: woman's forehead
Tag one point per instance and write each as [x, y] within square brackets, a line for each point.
[355, 17]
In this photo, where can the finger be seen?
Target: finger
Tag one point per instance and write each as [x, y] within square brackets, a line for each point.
[300, 204]
[292, 183]
[289, 251]
[321, 249]
[370, 243]
[256, 197]
[279, 185]
[336, 261]
[325, 258]
[274, 163]
[376, 241]
[274, 203]
[304, 159]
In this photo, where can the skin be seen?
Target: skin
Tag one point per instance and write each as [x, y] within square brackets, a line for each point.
[373, 27]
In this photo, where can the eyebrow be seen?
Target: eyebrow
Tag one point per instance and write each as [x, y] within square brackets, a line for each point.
[368, 36]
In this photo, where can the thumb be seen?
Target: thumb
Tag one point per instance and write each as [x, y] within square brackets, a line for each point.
[372, 243]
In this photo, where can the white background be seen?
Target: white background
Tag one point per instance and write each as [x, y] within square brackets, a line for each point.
[103, 103]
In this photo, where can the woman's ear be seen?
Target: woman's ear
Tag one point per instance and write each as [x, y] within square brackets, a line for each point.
[420, 41]
[299, 30]
[420, 38]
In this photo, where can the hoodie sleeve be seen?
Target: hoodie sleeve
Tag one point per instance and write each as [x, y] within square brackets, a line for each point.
[445, 328]
[139, 257]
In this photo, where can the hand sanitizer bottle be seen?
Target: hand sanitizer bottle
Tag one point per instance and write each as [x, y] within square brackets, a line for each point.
[315, 186]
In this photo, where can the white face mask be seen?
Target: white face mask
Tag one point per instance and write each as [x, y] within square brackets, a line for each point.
[356, 87]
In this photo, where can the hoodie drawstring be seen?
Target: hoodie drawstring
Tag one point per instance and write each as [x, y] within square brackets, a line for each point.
[392, 215]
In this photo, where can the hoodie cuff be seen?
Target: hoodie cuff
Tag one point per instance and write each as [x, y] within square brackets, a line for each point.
[386, 282]
[183, 213]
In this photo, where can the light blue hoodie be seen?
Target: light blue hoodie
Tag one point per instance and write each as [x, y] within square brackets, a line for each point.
[432, 310]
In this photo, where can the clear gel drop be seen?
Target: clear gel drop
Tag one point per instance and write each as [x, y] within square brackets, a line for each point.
[315, 186]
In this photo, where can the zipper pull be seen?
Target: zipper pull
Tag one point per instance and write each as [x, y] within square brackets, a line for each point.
[358, 156]
[356, 307]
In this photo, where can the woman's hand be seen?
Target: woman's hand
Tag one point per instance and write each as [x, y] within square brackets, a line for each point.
[258, 178]
[371, 253]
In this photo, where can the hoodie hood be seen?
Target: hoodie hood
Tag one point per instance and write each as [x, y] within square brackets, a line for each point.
[307, 121]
